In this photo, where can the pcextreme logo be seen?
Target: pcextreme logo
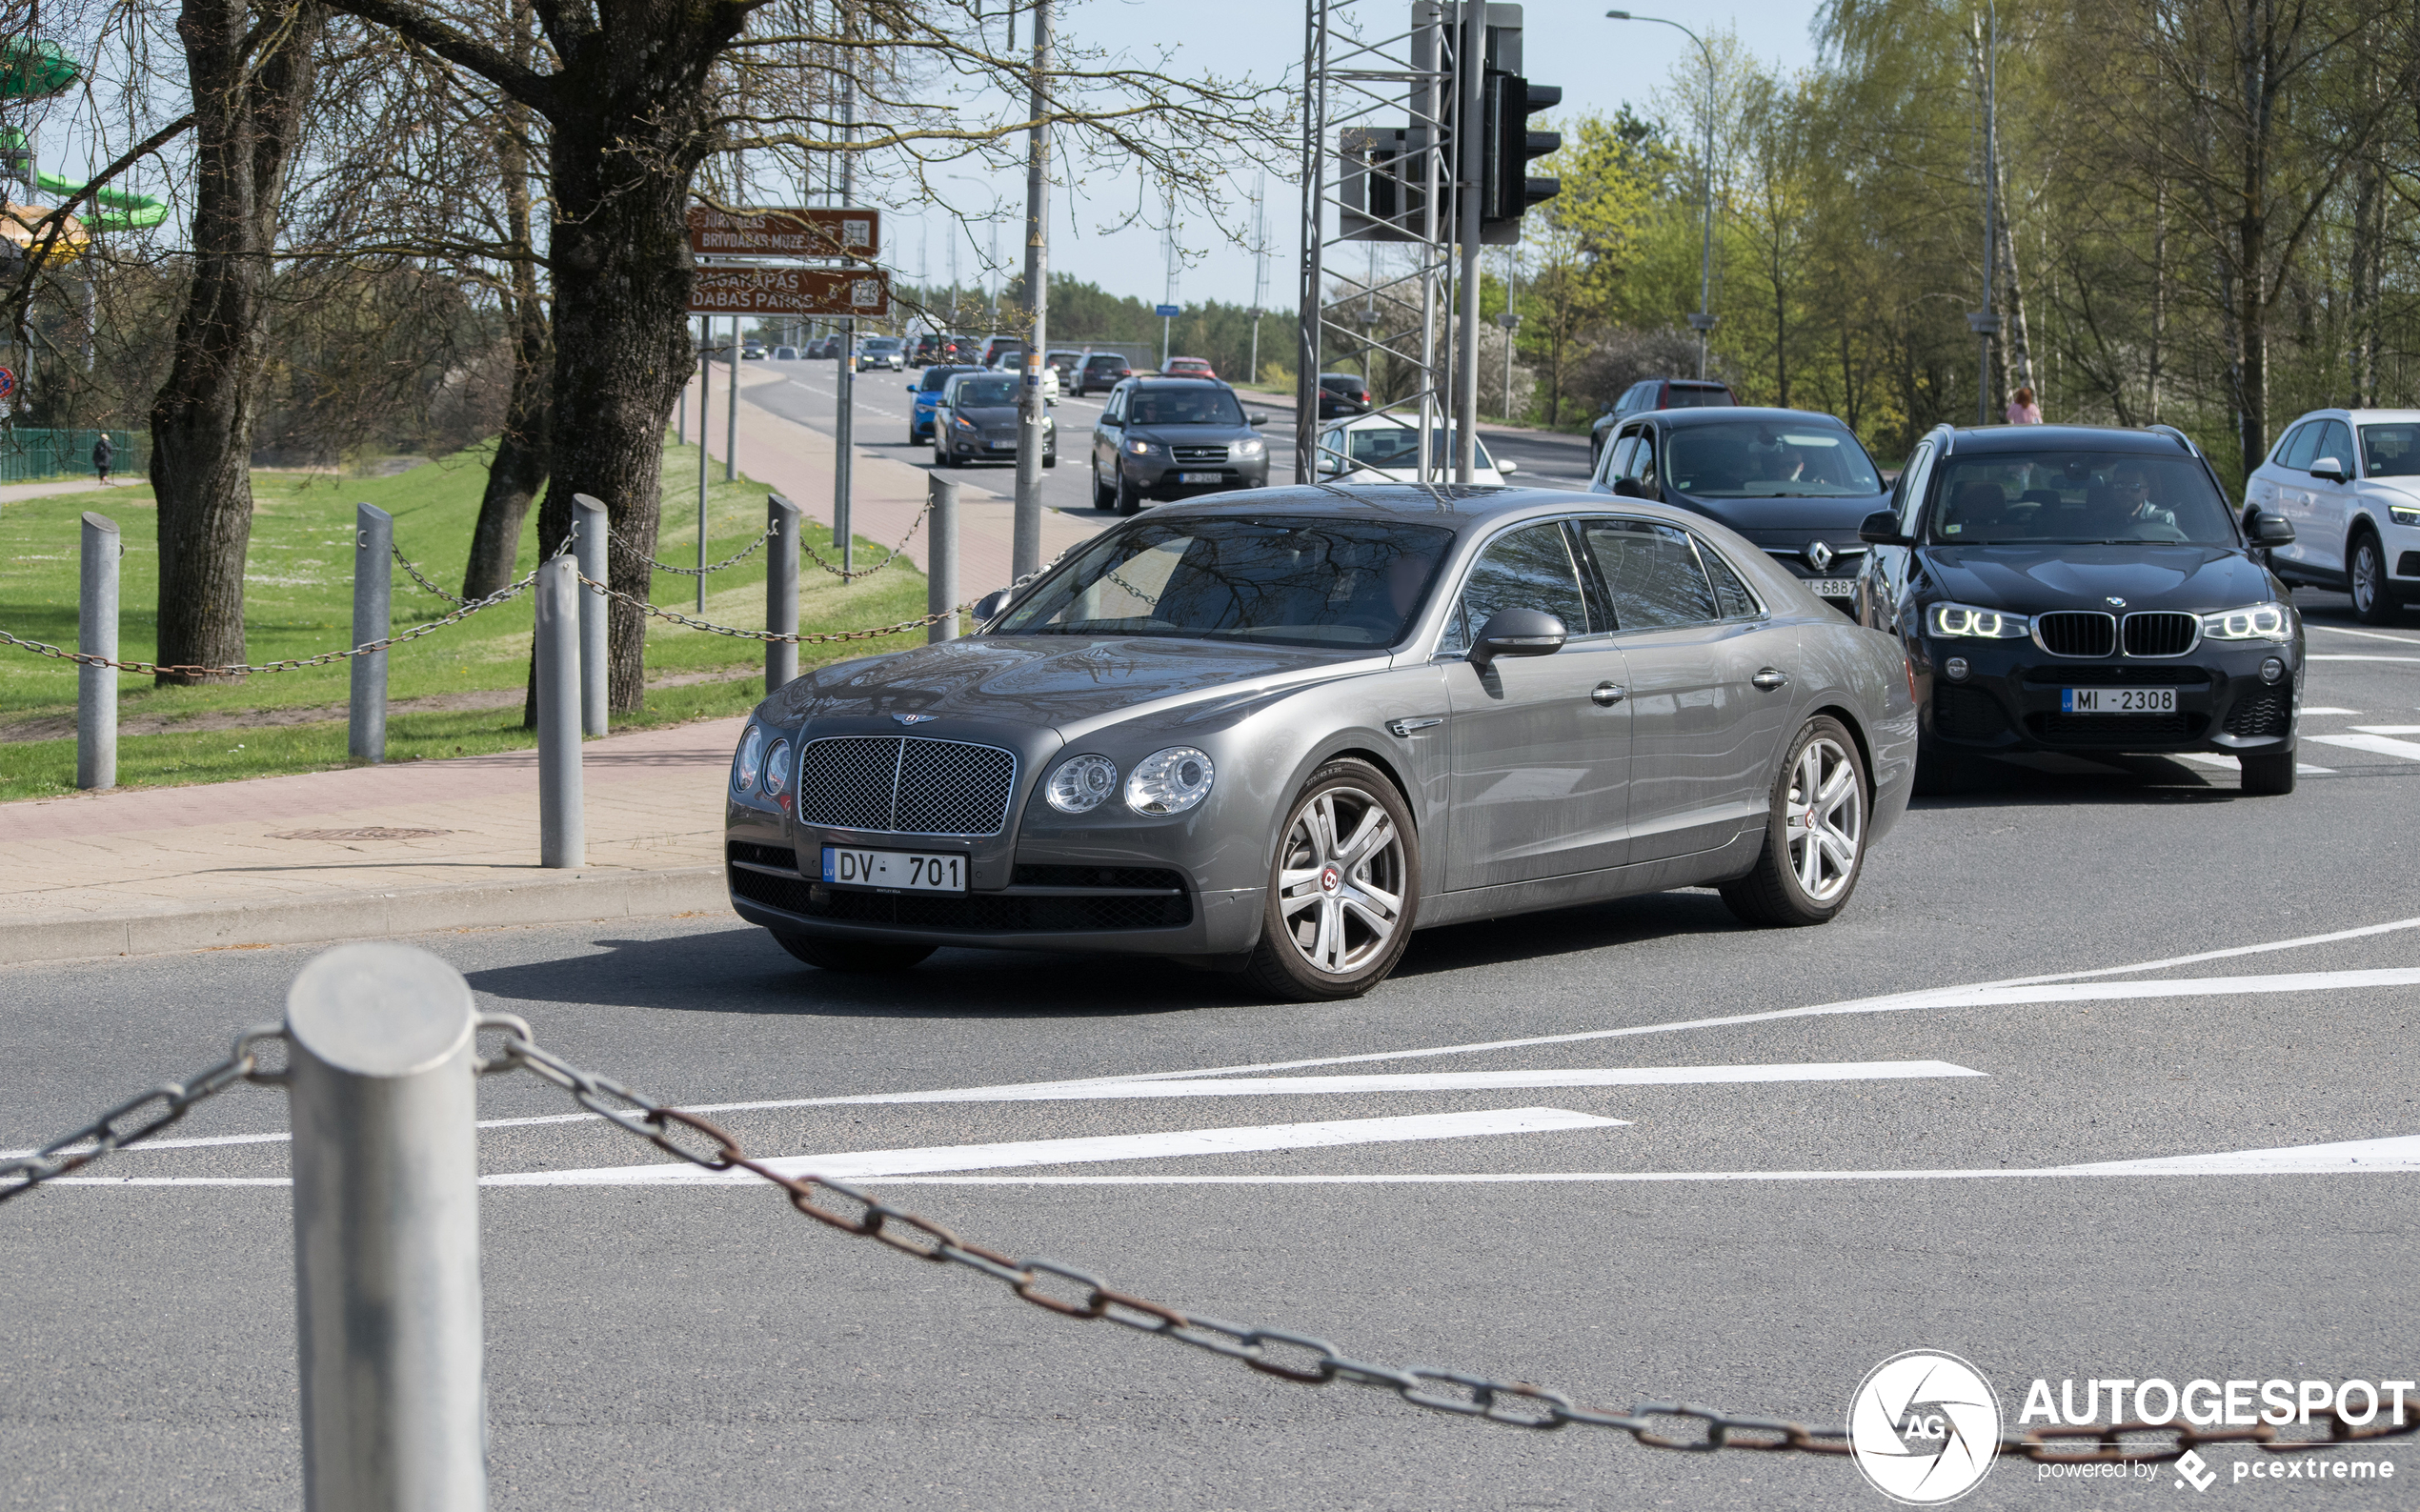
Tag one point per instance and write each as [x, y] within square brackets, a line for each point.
[1924, 1428]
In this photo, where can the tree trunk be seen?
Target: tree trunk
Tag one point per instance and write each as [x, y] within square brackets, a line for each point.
[245, 129]
[2367, 255]
[2016, 348]
[621, 349]
[518, 468]
[2159, 301]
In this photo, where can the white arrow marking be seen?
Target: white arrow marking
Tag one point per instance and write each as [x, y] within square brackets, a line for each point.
[1440, 1082]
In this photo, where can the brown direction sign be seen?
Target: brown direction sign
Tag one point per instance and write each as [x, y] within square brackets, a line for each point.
[785, 233]
[861, 291]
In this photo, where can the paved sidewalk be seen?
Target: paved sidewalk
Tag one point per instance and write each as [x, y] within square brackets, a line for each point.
[363, 852]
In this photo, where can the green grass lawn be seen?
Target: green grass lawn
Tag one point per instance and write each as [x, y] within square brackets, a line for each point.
[467, 679]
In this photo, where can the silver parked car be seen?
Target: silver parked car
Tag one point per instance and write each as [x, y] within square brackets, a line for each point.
[1278, 732]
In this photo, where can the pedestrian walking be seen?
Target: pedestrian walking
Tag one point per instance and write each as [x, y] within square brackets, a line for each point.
[2023, 411]
[101, 455]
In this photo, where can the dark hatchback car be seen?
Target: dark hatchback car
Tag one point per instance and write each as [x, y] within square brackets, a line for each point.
[975, 420]
[1172, 438]
[1342, 394]
[1657, 394]
[2076, 588]
[1795, 482]
[1102, 369]
[927, 395]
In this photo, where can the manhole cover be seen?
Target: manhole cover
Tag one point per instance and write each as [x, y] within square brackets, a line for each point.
[374, 832]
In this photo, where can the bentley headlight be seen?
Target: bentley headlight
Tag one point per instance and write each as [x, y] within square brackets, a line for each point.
[1080, 784]
[1966, 622]
[1169, 781]
[2269, 621]
[777, 769]
[748, 760]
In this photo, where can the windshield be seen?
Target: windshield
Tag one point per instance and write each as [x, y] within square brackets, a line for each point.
[979, 394]
[1184, 407]
[1767, 459]
[1393, 446]
[1691, 396]
[1299, 583]
[2391, 450]
[2020, 497]
[939, 377]
[883, 344]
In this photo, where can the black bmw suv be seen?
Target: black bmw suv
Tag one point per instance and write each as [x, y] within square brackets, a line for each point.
[2080, 589]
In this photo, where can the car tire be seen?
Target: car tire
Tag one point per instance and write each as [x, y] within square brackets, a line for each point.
[1103, 499]
[857, 956]
[1801, 878]
[2373, 597]
[1346, 839]
[1128, 499]
[2269, 776]
[1050, 459]
[940, 456]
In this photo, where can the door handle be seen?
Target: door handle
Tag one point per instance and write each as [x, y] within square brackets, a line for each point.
[1770, 678]
[1606, 694]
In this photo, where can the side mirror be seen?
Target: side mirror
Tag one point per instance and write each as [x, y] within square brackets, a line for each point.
[1256, 419]
[911, 388]
[1507, 466]
[2272, 530]
[2330, 469]
[988, 608]
[1517, 633]
[1880, 528]
[1628, 488]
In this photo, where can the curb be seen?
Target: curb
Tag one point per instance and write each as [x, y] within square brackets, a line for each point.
[566, 898]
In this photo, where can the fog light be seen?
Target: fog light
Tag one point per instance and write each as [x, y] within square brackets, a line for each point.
[1956, 668]
[2272, 670]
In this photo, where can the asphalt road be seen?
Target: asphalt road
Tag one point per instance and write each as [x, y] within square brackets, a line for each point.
[1758, 1244]
[811, 395]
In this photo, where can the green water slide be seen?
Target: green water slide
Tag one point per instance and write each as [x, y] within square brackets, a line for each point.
[32, 70]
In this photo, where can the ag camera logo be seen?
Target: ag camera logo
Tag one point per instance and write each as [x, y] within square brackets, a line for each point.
[1924, 1428]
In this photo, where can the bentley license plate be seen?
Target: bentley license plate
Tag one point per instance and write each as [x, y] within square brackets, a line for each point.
[1197, 477]
[2117, 700]
[894, 871]
[1832, 587]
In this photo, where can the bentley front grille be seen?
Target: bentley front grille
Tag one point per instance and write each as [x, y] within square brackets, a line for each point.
[902, 785]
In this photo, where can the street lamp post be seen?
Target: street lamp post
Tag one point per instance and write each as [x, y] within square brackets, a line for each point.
[1703, 321]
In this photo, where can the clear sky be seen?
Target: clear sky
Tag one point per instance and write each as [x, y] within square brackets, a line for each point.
[1600, 63]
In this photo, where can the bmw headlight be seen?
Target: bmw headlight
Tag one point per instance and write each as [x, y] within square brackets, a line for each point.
[1169, 781]
[748, 760]
[1081, 784]
[1966, 622]
[777, 769]
[2269, 621]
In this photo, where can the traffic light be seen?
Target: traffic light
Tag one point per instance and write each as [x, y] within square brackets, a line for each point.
[1506, 191]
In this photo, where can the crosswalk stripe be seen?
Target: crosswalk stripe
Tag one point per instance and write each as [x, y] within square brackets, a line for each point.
[2376, 744]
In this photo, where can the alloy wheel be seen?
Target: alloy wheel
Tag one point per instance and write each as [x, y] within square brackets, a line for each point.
[1826, 820]
[1340, 881]
[2366, 570]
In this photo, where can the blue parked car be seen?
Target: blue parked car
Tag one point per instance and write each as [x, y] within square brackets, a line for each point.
[928, 394]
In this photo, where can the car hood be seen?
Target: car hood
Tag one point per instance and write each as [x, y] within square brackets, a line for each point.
[1190, 435]
[2402, 489]
[2027, 579]
[1062, 681]
[1790, 521]
[995, 415]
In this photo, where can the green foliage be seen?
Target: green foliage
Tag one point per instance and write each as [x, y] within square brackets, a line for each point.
[468, 677]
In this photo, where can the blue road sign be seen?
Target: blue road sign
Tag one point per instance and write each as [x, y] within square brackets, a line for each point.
[1164, 311]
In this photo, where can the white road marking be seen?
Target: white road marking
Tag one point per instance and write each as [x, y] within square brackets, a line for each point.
[2366, 635]
[2377, 744]
[851, 1166]
[1440, 1081]
[2310, 710]
[2316, 657]
[2389, 729]
[2231, 764]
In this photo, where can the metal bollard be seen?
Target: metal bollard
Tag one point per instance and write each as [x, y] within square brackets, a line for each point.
[941, 584]
[589, 535]
[96, 635]
[385, 1189]
[374, 537]
[782, 591]
[562, 835]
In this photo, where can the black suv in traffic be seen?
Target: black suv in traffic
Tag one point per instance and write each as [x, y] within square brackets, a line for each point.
[2080, 589]
[1172, 438]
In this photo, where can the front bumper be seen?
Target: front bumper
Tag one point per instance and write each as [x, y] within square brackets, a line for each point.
[1163, 478]
[986, 448]
[2010, 699]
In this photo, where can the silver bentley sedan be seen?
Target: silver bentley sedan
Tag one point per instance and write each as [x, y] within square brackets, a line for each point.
[1276, 732]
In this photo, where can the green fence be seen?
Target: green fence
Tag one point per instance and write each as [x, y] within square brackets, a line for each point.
[27, 453]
